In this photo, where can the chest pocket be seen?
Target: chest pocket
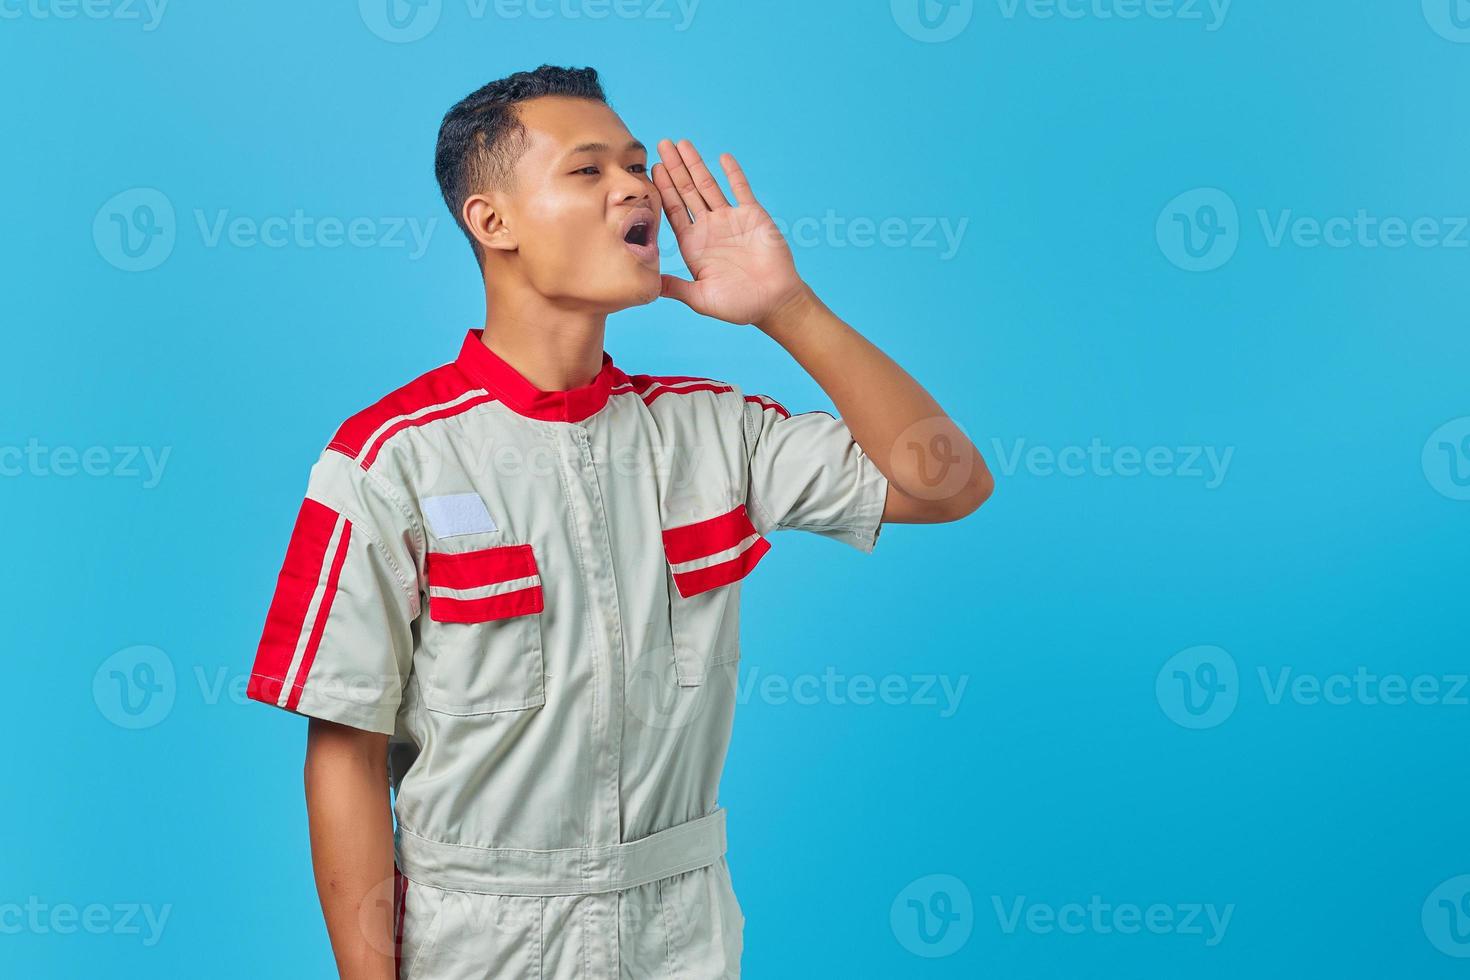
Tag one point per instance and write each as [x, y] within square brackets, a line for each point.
[706, 561]
[484, 631]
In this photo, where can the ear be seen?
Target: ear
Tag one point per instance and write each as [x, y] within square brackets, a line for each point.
[485, 219]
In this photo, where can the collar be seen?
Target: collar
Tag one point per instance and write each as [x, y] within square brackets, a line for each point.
[520, 396]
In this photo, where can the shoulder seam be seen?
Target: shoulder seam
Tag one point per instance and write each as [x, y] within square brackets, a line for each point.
[367, 530]
[420, 540]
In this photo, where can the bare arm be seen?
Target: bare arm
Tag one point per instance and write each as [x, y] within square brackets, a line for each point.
[346, 776]
[744, 273]
[934, 472]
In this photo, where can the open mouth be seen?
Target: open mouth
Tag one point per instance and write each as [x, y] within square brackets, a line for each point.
[640, 235]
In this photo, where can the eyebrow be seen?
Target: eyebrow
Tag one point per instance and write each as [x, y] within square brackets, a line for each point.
[604, 148]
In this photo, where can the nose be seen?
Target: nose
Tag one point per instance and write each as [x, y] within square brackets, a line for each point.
[643, 195]
[635, 189]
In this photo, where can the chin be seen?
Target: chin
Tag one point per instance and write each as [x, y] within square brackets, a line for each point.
[640, 291]
[652, 291]
[621, 283]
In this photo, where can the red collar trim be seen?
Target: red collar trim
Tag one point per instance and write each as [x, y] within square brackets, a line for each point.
[511, 387]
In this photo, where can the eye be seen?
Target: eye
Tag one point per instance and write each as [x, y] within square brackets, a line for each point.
[591, 169]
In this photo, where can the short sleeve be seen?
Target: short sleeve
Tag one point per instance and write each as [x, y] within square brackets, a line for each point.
[338, 636]
[808, 473]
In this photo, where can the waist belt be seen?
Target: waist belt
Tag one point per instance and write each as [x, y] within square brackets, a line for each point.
[566, 870]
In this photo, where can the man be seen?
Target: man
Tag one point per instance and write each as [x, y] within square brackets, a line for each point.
[512, 590]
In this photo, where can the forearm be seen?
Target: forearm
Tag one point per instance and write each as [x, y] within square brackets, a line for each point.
[352, 846]
[744, 273]
[898, 424]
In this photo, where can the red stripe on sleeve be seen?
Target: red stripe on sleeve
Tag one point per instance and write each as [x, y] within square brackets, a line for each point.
[766, 401]
[400, 904]
[302, 569]
[323, 611]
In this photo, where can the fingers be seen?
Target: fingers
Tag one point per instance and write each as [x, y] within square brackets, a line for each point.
[738, 184]
[704, 181]
[672, 202]
[692, 179]
[682, 180]
[680, 289]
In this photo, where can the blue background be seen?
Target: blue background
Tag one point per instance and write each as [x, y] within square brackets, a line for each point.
[1074, 765]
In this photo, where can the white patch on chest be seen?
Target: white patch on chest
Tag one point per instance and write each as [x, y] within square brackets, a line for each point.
[457, 513]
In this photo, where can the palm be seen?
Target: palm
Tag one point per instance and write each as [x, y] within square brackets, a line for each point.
[742, 266]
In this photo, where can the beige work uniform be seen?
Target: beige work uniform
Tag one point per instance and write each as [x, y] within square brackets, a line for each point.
[536, 595]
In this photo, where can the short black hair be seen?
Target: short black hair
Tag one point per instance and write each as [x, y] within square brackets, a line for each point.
[481, 136]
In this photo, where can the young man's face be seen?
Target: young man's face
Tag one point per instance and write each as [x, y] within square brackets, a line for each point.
[581, 190]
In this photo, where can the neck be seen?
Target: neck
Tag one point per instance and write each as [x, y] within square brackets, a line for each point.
[554, 347]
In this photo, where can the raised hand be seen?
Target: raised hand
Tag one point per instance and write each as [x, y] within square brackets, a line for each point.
[742, 267]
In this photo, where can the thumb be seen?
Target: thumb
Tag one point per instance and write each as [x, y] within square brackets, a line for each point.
[679, 289]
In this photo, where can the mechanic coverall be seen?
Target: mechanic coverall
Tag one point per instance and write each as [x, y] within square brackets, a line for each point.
[536, 596]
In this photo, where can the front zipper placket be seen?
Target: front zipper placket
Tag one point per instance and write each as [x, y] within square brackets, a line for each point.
[603, 605]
